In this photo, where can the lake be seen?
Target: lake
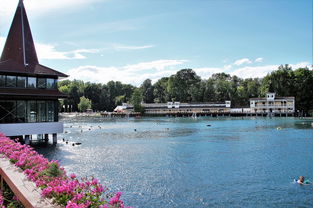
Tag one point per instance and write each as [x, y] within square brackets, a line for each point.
[186, 162]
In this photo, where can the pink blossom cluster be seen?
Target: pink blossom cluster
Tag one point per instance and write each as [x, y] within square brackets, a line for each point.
[1, 200]
[55, 184]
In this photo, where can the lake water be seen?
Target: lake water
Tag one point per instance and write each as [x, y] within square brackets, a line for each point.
[182, 162]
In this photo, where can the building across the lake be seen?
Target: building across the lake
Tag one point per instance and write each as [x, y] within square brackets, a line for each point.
[178, 108]
[272, 104]
[185, 108]
[28, 90]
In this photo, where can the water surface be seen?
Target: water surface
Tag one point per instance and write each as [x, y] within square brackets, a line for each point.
[183, 162]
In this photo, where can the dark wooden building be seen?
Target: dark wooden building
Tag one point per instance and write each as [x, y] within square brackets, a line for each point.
[28, 90]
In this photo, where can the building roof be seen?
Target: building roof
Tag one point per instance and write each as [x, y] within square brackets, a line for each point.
[19, 53]
[276, 98]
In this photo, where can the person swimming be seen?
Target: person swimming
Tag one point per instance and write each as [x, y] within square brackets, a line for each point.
[302, 181]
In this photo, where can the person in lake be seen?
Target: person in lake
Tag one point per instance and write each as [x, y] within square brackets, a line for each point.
[300, 180]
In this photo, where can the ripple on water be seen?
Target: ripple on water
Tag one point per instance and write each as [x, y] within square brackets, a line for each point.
[181, 162]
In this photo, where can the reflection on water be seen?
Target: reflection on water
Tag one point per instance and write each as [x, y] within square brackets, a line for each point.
[183, 162]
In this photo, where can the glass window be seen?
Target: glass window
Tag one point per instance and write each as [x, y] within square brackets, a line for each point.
[21, 111]
[51, 83]
[11, 81]
[2, 111]
[41, 111]
[21, 82]
[41, 83]
[50, 111]
[32, 111]
[8, 111]
[2, 80]
[31, 82]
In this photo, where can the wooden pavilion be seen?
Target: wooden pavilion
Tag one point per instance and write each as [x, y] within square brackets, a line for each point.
[28, 90]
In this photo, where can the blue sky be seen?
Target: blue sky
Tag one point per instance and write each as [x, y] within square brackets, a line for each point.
[132, 40]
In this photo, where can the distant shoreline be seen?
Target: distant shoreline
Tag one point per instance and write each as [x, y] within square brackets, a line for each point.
[98, 114]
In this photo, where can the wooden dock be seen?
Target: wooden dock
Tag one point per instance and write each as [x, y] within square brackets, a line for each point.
[194, 114]
[120, 114]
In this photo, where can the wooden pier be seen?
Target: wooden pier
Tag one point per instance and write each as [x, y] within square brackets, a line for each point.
[218, 114]
[194, 114]
[120, 114]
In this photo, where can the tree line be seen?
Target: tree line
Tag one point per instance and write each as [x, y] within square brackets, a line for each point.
[187, 86]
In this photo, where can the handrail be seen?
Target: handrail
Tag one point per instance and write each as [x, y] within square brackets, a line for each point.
[26, 191]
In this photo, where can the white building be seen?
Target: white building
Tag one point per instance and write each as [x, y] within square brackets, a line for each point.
[272, 104]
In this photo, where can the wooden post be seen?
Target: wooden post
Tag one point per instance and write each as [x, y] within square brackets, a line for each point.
[27, 139]
[55, 140]
[1, 184]
[46, 138]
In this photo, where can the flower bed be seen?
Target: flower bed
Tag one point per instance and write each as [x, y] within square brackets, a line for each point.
[52, 179]
[1, 199]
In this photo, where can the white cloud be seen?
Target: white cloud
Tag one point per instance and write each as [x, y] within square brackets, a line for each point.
[254, 71]
[206, 72]
[46, 51]
[242, 61]
[156, 65]
[119, 47]
[133, 74]
[301, 65]
[258, 60]
[2, 42]
[43, 6]
[247, 71]
[261, 71]
[228, 67]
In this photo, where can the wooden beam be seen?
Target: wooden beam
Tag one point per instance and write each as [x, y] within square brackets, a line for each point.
[25, 190]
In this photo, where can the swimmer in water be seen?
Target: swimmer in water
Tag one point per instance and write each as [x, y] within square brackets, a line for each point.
[300, 180]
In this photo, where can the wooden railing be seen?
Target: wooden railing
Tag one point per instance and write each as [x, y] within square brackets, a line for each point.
[26, 191]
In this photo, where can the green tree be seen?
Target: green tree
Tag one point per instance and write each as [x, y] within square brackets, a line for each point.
[209, 91]
[181, 85]
[74, 90]
[222, 86]
[279, 81]
[303, 85]
[92, 91]
[127, 90]
[147, 91]
[119, 100]
[84, 104]
[186, 86]
[160, 92]
[136, 101]
[197, 91]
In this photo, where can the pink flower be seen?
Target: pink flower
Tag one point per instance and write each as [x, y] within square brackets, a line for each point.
[77, 193]
[94, 181]
[1, 199]
[115, 200]
[46, 191]
[74, 205]
[73, 176]
[78, 197]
